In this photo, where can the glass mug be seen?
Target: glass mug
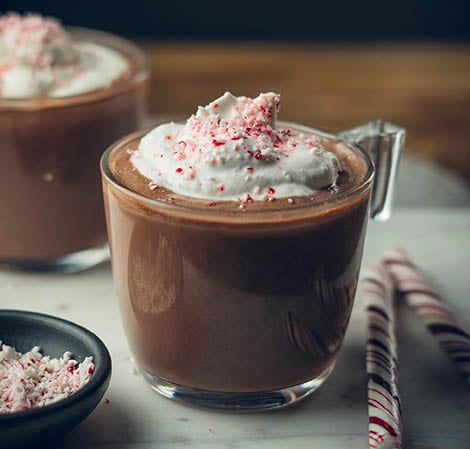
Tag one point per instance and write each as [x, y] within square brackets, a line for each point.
[52, 216]
[244, 311]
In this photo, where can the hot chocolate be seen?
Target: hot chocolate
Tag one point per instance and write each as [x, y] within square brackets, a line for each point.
[238, 279]
[64, 95]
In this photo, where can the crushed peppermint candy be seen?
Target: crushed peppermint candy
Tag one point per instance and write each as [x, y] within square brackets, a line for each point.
[232, 150]
[32, 380]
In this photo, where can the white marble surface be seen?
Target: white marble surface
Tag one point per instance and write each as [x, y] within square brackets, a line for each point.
[436, 401]
[424, 183]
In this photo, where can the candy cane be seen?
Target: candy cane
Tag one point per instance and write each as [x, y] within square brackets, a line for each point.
[385, 426]
[427, 304]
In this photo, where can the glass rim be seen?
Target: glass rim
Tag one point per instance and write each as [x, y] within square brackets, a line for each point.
[281, 213]
[139, 73]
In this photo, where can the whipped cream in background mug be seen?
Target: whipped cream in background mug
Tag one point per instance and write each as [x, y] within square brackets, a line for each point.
[38, 57]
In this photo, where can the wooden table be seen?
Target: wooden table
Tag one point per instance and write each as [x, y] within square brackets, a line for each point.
[423, 87]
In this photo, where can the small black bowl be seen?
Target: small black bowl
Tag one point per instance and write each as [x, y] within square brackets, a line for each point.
[54, 336]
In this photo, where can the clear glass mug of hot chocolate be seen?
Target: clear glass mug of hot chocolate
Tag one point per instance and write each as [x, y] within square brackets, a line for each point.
[65, 94]
[236, 243]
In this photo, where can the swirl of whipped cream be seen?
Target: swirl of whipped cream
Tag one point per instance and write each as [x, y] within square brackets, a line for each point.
[231, 150]
[39, 58]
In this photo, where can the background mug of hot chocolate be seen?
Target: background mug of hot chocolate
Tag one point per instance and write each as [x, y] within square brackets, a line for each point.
[65, 94]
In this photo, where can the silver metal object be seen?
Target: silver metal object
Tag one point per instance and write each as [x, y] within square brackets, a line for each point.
[383, 142]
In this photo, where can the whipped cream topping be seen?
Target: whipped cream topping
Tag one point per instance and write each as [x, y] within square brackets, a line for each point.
[38, 57]
[232, 150]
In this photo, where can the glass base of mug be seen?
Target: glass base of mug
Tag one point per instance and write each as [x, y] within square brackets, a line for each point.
[236, 402]
[70, 263]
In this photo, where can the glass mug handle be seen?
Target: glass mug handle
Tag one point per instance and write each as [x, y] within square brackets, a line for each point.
[383, 142]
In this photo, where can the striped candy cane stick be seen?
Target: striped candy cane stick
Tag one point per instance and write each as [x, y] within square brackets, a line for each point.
[385, 427]
[427, 304]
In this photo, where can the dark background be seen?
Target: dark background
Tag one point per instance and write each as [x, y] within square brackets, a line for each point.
[264, 20]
